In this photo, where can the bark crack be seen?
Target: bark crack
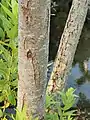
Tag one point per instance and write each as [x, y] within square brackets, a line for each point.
[32, 57]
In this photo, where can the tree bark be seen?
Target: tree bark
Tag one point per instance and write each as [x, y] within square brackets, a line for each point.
[34, 21]
[68, 44]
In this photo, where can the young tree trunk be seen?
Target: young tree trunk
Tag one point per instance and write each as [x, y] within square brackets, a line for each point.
[34, 19]
[68, 44]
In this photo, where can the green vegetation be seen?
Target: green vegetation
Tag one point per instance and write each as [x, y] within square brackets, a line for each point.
[8, 53]
[8, 19]
[57, 108]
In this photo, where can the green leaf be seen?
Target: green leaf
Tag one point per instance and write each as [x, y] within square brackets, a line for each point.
[60, 112]
[1, 98]
[6, 55]
[21, 115]
[70, 92]
[6, 23]
[70, 118]
[69, 113]
[51, 116]
[13, 45]
[3, 68]
[12, 33]
[1, 113]
[63, 97]
[14, 83]
[11, 99]
[2, 35]
[49, 100]
[8, 12]
[14, 7]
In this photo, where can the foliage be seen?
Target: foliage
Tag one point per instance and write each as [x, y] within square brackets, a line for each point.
[8, 53]
[60, 107]
[8, 71]
[8, 74]
[21, 115]
[55, 110]
[8, 19]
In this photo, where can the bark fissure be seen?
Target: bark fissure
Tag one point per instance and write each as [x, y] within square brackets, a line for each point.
[35, 70]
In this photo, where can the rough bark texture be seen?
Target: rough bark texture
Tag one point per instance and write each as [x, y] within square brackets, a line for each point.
[68, 44]
[34, 18]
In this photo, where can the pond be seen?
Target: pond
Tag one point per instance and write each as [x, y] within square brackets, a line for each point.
[80, 73]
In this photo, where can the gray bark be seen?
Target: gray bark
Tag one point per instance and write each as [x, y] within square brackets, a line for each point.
[34, 19]
[68, 44]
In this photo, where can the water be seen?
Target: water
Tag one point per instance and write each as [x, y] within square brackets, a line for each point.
[80, 73]
[79, 77]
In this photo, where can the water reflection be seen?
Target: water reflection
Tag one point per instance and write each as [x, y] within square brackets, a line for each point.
[80, 73]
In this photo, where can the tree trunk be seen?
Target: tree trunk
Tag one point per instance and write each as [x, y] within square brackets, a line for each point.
[68, 44]
[34, 20]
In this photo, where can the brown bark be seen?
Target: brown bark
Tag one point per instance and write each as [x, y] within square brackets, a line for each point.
[68, 44]
[34, 19]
